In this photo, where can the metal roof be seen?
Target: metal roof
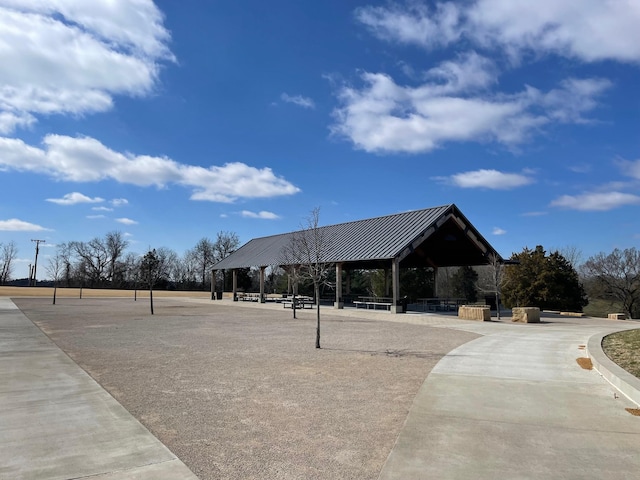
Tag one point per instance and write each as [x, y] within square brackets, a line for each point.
[369, 240]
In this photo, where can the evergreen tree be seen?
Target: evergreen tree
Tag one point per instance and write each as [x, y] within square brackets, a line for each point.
[540, 280]
[464, 284]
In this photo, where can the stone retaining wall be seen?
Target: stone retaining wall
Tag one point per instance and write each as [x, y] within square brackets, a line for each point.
[470, 312]
[525, 314]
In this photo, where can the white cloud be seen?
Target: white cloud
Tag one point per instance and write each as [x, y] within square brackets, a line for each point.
[126, 221]
[304, 102]
[95, 217]
[74, 198]
[15, 225]
[118, 202]
[598, 201]
[460, 99]
[383, 116]
[262, 214]
[498, 231]
[73, 56]
[84, 159]
[491, 179]
[102, 209]
[414, 24]
[534, 214]
[630, 168]
[588, 30]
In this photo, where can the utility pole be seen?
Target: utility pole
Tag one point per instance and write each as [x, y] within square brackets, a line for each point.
[35, 264]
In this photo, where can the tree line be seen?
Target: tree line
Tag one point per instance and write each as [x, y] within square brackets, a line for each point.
[105, 262]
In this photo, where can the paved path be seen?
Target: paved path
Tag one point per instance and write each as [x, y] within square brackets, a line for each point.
[56, 422]
[515, 404]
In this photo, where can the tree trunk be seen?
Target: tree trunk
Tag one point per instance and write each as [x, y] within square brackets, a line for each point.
[55, 287]
[317, 289]
[151, 295]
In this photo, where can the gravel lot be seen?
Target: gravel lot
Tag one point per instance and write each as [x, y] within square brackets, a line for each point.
[241, 393]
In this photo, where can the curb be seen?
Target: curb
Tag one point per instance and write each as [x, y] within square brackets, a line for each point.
[626, 383]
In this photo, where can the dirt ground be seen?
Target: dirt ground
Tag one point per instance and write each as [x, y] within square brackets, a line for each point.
[239, 392]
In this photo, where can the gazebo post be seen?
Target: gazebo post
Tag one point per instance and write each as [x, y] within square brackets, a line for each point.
[262, 297]
[395, 286]
[235, 285]
[339, 302]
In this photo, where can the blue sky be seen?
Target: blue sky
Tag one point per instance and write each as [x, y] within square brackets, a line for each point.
[172, 121]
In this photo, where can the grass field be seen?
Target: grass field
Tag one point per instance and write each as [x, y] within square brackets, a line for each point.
[624, 349]
[94, 292]
[601, 308]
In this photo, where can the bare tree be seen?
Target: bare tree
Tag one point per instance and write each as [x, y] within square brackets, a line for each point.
[55, 269]
[571, 254]
[309, 250]
[187, 270]
[115, 245]
[203, 254]
[226, 243]
[100, 257]
[8, 253]
[619, 275]
[491, 277]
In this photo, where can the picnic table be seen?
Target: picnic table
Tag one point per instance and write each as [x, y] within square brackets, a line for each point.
[300, 301]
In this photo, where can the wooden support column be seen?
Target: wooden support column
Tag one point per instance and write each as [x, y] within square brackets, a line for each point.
[235, 285]
[339, 303]
[395, 286]
[262, 296]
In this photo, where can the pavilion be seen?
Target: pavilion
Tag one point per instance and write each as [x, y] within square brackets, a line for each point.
[432, 237]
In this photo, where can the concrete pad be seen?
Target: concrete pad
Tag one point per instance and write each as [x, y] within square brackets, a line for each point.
[515, 404]
[56, 422]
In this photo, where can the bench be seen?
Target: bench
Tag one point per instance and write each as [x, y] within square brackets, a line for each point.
[373, 303]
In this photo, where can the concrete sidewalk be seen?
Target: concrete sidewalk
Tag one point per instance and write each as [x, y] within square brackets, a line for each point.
[515, 404]
[56, 422]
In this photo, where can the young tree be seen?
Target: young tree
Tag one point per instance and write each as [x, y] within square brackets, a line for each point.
[149, 268]
[8, 253]
[55, 269]
[548, 282]
[307, 253]
[618, 274]
[491, 279]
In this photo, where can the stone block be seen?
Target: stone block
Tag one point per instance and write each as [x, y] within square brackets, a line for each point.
[525, 314]
[469, 312]
[617, 316]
